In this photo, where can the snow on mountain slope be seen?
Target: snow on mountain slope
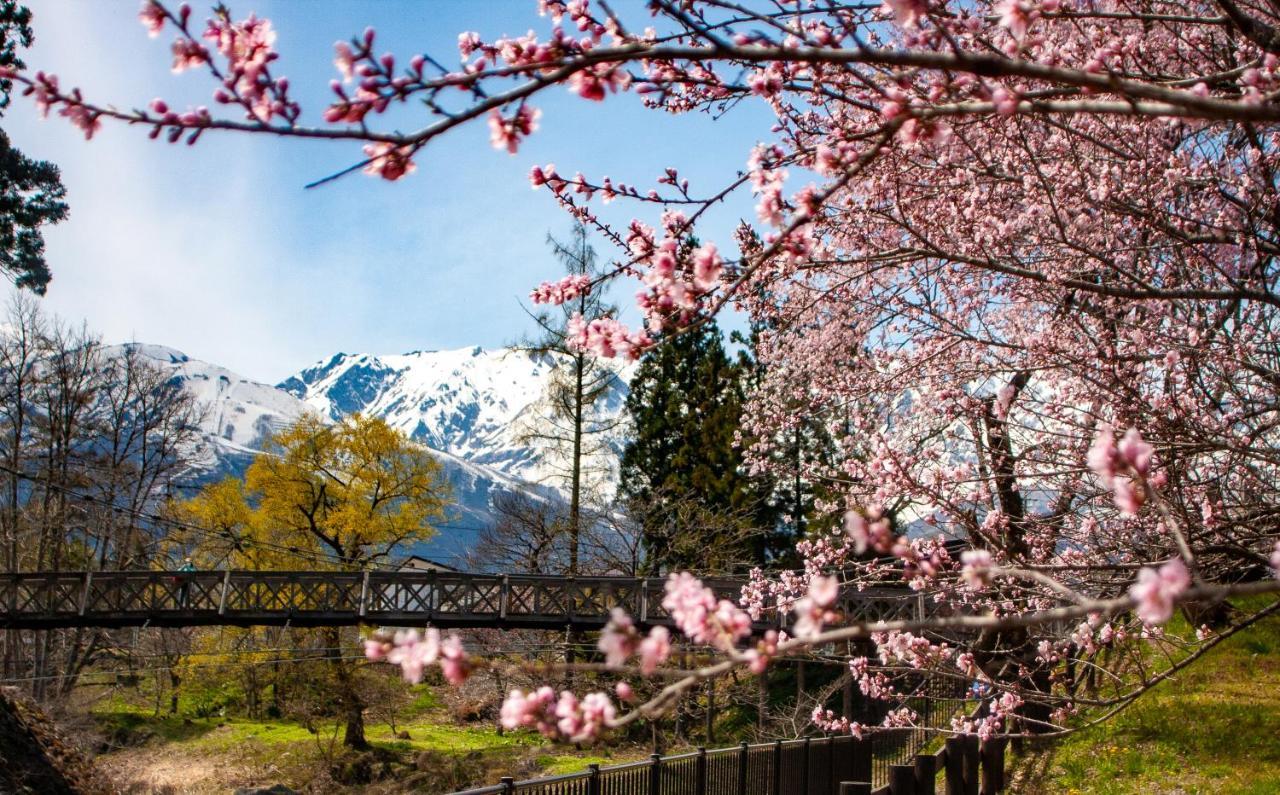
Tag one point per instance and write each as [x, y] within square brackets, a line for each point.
[469, 406]
[238, 413]
[471, 403]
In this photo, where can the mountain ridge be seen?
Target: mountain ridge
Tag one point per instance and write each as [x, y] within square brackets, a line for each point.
[469, 406]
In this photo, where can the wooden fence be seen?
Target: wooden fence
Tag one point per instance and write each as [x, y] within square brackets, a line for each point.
[841, 765]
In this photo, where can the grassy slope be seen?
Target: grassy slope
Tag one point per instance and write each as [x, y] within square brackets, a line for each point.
[1214, 729]
[238, 751]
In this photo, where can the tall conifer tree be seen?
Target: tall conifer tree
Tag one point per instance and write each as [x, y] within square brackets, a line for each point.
[682, 475]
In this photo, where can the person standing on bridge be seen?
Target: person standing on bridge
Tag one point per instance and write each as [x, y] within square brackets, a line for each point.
[184, 580]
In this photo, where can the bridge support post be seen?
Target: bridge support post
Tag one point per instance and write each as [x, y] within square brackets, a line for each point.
[84, 597]
[364, 594]
[226, 586]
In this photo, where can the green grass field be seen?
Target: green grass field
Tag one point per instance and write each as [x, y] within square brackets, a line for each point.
[1215, 728]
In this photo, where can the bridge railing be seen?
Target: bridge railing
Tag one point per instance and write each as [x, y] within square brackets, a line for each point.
[388, 598]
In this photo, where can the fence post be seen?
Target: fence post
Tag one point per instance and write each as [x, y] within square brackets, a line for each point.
[508, 784]
[593, 779]
[971, 764]
[955, 765]
[862, 759]
[992, 756]
[902, 780]
[742, 768]
[504, 597]
[926, 774]
[777, 768]
[700, 772]
[655, 774]
[833, 783]
[804, 780]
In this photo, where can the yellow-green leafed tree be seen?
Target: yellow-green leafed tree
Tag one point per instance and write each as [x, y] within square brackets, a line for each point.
[344, 496]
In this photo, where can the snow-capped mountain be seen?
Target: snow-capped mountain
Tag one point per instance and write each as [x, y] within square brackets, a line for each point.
[238, 415]
[474, 404]
[472, 407]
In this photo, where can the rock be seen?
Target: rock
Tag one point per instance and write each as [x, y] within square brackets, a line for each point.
[402, 735]
[275, 789]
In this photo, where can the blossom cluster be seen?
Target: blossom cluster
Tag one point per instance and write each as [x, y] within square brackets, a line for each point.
[1122, 467]
[567, 289]
[415, 652]
[620, 640]
[1157, 590]
[563, 717]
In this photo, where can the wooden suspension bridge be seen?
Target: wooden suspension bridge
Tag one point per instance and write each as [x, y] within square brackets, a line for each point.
[51, 600]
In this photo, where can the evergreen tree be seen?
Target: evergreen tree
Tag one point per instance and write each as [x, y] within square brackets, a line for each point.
[571, 433]
[682, 474]
[31, 191]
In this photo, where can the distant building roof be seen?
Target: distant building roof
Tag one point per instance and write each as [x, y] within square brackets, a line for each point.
[419, 563]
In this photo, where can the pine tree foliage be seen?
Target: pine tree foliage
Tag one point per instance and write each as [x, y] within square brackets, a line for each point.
[682, 474]
[31, 191]
[571, 432]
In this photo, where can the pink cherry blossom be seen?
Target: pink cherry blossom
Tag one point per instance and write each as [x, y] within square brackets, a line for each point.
[152, 17]
[454, 664]
[976, 571]
[654, 649]
[507, 133]
[83, 117]
[1156, 591]
[567, 289]
[389, 161]
[1015, 15]
[188, 54]
[907, 13]
[812, 610]
[345, 60]
[594, 82]
[619, 638]
[707, 267]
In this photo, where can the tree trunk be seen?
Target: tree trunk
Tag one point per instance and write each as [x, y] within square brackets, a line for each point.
[348, 698]
[575, 495]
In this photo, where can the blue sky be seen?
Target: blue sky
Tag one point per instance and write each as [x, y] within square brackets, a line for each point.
[217, 249]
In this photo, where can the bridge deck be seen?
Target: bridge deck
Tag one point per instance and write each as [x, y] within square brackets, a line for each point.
[48, 600]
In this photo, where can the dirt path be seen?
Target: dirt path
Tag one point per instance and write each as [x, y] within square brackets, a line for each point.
[162, 770]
